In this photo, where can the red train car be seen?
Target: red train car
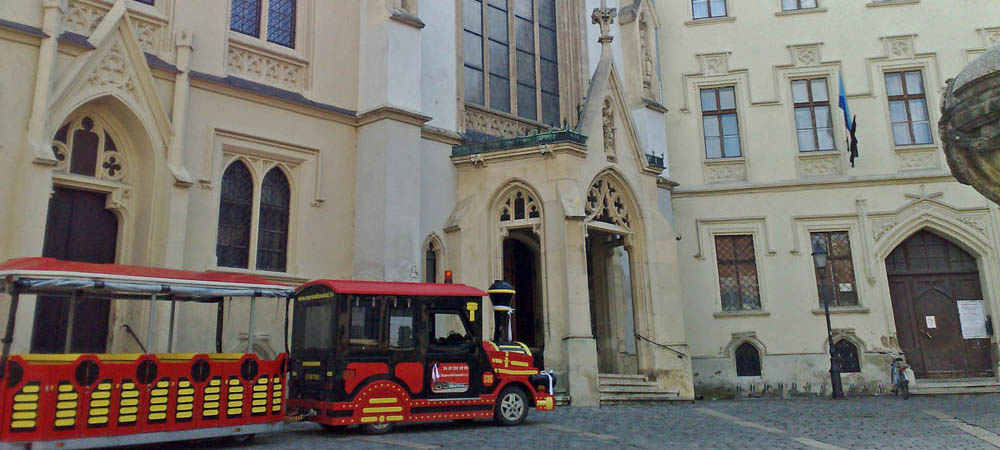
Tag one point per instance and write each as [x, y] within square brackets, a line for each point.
[377, 354]
[104, 400]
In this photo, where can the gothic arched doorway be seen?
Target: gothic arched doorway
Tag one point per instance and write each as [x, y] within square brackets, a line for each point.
[610, 277]
[79, 227]
[928, 278]
[519, 216]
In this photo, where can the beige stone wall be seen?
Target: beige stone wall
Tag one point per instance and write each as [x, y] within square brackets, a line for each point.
[779, 195]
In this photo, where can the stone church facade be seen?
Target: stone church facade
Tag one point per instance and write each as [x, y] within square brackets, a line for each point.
[518, 139]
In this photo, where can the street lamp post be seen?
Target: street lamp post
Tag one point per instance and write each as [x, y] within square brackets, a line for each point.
[819, 260]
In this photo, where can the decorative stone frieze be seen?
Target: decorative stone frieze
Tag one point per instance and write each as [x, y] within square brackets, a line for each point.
[83, 17]
[725, 171]
[918, 159]
[899, 47]
[714, 64]
[262, 66]
[818, 165]
[494, 124]
[805, 55]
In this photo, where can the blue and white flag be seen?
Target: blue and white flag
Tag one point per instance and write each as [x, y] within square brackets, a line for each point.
[850, 122]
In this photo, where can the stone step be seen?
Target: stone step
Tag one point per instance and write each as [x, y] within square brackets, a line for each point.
[646, 397]
[626, 382]
[563, 400]
[651, 389]
[955, 387]
[621, 376]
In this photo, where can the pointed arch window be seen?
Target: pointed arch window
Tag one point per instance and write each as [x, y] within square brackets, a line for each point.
[84, 146]
[272, 231]
[848, 354]
[430, 263]
[254, 219]
[747, 360]
[235, 213]
[519, 207]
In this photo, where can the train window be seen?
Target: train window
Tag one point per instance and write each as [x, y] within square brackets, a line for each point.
[364, 321]
[447, 329]
[401, 324]
[314, 320]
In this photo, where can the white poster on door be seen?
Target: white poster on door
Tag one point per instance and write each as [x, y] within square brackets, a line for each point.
[931, 322]
[972, 315]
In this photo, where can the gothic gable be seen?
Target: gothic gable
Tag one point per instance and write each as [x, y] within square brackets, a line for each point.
[117, 67]
[606, 119]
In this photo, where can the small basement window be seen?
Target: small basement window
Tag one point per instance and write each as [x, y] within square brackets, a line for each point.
[747, 360]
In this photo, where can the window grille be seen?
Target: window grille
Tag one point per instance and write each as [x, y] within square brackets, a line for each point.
[848, 354]
[235, 211]
[281, 22]
[245, 17]
[737, 272]
[747, 360]
[836, 283]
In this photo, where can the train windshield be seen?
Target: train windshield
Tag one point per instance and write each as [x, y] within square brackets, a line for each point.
[314, 319]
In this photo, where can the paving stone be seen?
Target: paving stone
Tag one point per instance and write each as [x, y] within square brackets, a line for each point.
[855, 423]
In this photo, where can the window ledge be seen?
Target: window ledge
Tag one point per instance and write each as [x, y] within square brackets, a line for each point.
[892, 3]
[842, 310]
[274, 50]
[406, 18]
[795, 12]
[724, 161]
[914, 147]
[742, 313]
[710, 20]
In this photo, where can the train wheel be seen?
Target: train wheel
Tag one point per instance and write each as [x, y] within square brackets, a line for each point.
[511, 408]
[376, 428]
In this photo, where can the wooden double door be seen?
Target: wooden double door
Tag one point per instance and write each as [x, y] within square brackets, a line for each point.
[79, 228]
[928, 276]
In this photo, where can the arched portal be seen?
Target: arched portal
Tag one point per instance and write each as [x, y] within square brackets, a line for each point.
[611, 236]
[938, 307]
[518, 213]
[105, 164]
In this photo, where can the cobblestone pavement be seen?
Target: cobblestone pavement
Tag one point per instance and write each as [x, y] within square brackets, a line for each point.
[952, 422]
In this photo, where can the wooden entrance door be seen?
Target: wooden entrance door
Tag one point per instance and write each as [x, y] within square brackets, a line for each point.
[927, 276]
[79, 228]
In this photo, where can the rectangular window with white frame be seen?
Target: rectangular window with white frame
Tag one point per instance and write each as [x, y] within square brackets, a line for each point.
[908, 107]
[721, 125]
[813, 124]
[706, 9]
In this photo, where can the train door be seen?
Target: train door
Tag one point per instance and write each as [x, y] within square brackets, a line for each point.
[454, 352]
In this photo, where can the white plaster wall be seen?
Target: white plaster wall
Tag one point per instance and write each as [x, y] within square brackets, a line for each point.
[439, 69]
[390, 60]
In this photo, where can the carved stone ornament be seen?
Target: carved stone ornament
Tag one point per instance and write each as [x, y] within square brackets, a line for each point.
[608, 120]
[114, 71]
[717, 172]
[648, 67]
[83, 17]
[605, 203]
[258, 65]
[99, 155]
[604, 17]
[970, 124]
[495, 124]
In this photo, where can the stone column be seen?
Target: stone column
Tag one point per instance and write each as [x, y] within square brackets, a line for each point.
[581, 349]
[387, 182]
[29, 202]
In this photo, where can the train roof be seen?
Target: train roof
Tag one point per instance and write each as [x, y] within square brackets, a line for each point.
[50, 275]
[398, 288]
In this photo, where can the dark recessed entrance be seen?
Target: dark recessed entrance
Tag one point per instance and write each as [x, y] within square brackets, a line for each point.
[522, 267]
[928, 276]
[79, 228]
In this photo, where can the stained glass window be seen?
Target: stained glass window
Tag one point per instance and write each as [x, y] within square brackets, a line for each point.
[281, 22]
[747, 360]
[272, 231]
[235, 209]
[245, 17]
[737, 272]
[837, 281]
[494, 33]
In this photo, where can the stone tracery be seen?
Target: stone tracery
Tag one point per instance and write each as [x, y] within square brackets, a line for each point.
[84, 146]
[606, 203]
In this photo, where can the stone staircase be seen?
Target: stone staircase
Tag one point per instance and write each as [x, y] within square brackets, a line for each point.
[632, 389]
[956, 386]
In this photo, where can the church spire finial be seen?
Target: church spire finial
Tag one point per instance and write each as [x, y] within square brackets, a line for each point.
[604, 16]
